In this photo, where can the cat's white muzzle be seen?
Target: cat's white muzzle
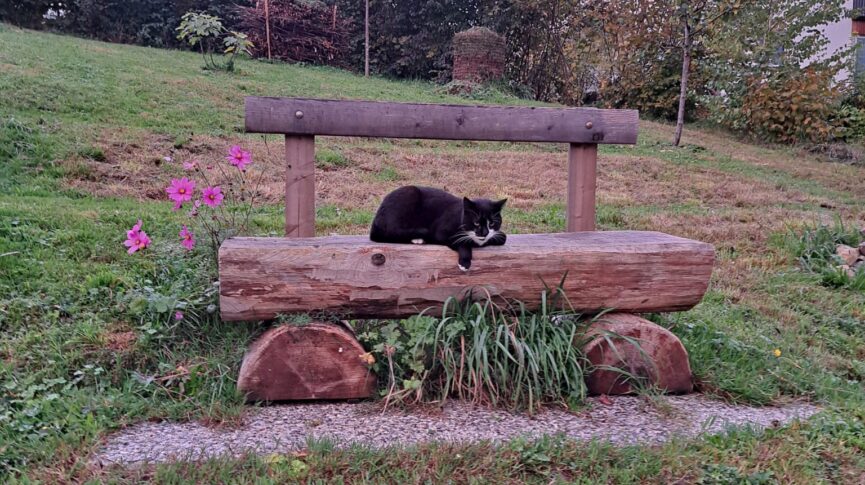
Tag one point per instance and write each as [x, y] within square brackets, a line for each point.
[480, 241]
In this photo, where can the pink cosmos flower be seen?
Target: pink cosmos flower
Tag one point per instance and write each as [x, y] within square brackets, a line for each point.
[212, 196]
[136, 239]
[190, 165]
[239, 157]
[178, 315]
[187, 239]
[180, 191]
[134, 231]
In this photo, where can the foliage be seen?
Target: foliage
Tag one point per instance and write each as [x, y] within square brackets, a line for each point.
[755, 70]
[848, 118]
[299, 32]
[815, 248]
[848, 123]
[413, 39]
[206, 32]
[145, 22]
[26, 13]
[637, 65]
[481, 352]
[791, 108]
[218, 214]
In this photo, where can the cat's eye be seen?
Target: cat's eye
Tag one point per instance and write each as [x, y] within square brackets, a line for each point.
[477, 224]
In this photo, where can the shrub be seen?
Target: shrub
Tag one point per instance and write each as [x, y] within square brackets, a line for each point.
[791, 108]
[144, 22]
[206, 32]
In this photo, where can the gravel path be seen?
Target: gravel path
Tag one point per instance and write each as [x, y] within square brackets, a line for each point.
[285, 428]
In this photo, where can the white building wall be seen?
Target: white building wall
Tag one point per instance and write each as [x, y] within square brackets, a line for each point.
[840, 36]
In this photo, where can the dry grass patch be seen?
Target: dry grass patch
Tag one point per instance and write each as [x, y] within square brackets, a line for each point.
[794, 161]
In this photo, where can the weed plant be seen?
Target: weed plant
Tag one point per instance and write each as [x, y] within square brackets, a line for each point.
[815, 247]
[486, 352]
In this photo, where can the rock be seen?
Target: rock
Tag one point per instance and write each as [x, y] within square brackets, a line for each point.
[847, 254]
[862, 248]
[661, 358]
[315, 361]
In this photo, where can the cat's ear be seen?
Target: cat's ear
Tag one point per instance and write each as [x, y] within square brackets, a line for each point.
[469, 205]
[498, 206]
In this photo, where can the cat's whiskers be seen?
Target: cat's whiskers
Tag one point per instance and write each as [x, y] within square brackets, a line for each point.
[462, 237]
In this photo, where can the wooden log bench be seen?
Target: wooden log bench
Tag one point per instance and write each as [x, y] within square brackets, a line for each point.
[626, 271]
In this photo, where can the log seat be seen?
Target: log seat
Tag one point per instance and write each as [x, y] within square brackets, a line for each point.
[628, 271]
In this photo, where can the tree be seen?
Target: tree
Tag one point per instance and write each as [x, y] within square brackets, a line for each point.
[695, 17]
[762, 54]
[634, 50]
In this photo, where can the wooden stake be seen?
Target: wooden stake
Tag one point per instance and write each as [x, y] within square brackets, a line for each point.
[267, 25]
[582, 183]
[299, 186]
[366, 39]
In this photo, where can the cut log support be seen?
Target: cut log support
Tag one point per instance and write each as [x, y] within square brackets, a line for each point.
[628, 271]
[641, 349]
[315, 361]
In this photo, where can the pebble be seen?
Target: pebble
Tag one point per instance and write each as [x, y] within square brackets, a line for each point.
[286, 428]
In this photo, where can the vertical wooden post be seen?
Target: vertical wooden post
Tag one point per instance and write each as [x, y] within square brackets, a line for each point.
[582, 183]
[299, 186]
[366, 39]
[267, 25]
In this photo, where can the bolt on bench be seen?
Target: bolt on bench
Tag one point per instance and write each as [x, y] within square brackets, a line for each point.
[627, 271]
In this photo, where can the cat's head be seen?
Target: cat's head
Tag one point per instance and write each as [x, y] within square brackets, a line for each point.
[482, 219]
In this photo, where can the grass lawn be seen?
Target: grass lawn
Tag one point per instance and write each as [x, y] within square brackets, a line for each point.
[89, 343]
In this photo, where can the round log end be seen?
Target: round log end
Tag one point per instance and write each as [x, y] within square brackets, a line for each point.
[315, 361]
[660, 358]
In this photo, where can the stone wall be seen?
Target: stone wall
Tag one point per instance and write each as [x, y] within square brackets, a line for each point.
[479, 55]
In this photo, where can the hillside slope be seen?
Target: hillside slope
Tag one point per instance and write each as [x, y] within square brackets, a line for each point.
[91, 133]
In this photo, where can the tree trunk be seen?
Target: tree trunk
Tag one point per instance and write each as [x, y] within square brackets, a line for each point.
[686, 69]
[366, 39]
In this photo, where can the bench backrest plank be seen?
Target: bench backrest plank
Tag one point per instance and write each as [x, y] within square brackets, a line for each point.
[300, 120]
[440, 122]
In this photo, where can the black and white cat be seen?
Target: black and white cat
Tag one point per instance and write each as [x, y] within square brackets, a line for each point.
[424, 215]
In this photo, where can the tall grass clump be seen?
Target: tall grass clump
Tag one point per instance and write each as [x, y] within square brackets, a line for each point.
[815, 248]
[485, 353]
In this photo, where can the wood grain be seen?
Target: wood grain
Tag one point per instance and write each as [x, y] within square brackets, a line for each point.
[582, 185]
[299, 116]
[315, 361]
[660, 358]
[630, 271]
[299, 186]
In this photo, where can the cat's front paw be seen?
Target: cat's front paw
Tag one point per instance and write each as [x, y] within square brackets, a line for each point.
[464, 265]
[417, 241]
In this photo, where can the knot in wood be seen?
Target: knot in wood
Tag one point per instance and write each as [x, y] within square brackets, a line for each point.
[378, 259]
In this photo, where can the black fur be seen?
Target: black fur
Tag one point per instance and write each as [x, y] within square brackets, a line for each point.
[414, 213]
